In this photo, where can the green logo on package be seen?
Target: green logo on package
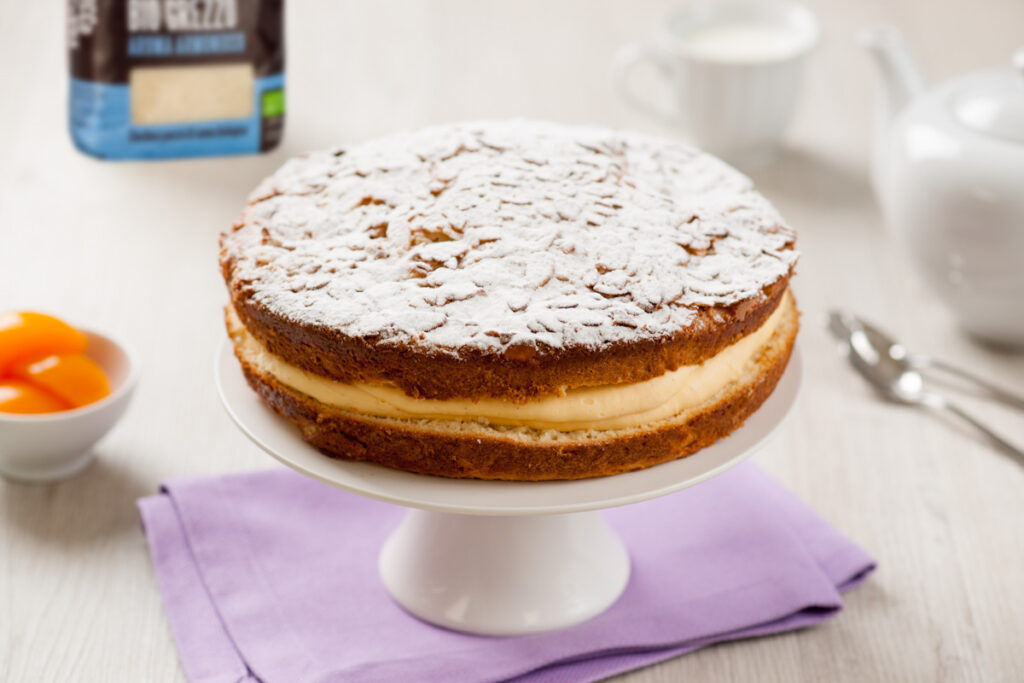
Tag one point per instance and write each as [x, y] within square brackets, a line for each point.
[273, 103]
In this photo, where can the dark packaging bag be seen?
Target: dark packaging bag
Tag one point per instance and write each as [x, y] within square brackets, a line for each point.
[157, 79]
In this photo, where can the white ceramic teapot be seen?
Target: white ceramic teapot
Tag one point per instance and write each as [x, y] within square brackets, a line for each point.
[949, 173]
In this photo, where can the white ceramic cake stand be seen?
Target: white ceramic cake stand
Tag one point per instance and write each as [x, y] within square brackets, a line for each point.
[500, 558]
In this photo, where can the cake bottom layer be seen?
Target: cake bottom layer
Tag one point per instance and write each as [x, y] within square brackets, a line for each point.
[470, 449]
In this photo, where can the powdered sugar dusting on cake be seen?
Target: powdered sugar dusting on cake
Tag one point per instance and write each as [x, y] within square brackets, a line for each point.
[498, 235]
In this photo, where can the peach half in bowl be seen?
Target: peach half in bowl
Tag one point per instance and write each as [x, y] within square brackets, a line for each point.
[48, 447]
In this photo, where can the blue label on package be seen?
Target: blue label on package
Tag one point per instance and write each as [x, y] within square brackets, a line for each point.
[101, 125]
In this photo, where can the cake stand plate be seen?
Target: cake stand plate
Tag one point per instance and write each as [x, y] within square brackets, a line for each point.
[495, 557]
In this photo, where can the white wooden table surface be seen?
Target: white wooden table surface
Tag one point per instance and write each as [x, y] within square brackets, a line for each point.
[132, 247]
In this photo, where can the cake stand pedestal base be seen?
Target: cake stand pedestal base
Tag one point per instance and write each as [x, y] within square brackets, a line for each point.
[504, 575]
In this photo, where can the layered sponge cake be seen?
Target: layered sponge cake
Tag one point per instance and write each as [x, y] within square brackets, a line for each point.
[511, 300]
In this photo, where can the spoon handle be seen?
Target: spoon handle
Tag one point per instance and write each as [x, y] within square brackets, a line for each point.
[971, 420]
[991, 389]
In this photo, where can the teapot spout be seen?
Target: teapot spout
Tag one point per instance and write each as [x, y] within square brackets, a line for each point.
[901, 79]
[901, 84]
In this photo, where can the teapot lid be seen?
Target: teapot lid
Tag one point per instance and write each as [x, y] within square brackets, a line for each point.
[994, 103]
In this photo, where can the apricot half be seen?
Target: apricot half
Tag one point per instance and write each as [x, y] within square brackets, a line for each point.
[74, 378]
[25, 335]
[21, 397]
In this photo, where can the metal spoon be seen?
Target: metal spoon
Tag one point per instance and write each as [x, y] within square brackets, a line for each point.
[888, 346]
[896, 380]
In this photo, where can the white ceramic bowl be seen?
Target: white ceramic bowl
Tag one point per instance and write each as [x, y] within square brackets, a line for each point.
[54, 446]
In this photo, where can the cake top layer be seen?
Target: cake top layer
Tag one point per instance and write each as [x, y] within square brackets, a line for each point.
[491, 236]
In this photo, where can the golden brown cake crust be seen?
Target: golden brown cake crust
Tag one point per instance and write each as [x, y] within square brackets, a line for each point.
[489, 453]
[473, 374]
[507, 260]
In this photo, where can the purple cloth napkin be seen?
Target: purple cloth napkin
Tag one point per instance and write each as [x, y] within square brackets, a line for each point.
[272, 576]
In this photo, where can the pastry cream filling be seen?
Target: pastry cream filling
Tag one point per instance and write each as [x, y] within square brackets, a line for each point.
[615, 406]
